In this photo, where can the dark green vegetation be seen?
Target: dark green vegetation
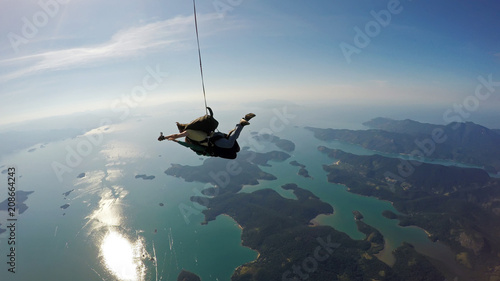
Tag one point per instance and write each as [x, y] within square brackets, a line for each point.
[187, 276]
[262, 159]
[302, 170]
[389, 214]
[145, 177]
[458, 206]
[462, 142]
[289, 247]
[282, 144]
[357, 215]
[411, 265]
[372, 234]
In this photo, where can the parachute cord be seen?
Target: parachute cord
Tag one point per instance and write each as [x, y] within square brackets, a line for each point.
[199, 56]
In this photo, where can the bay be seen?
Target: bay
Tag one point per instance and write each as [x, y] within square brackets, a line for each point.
[155, 227]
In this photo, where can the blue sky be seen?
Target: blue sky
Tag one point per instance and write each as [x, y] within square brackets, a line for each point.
[61, 57]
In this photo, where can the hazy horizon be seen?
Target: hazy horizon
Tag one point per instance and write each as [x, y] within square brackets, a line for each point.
[61, 57]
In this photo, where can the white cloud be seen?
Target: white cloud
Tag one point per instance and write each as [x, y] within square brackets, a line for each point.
[124, 43]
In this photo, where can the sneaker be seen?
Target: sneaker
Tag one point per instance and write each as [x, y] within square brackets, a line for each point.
[249, 116]
[244, 122]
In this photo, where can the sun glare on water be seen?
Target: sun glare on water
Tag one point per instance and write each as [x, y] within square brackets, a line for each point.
[122, 257]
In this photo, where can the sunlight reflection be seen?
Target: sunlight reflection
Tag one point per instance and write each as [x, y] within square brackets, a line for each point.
[114, 174]
[109, 212]
[122, 257]
[119, 255]
[116, 150]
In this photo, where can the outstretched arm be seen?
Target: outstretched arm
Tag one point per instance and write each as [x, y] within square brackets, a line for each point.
[176, 136]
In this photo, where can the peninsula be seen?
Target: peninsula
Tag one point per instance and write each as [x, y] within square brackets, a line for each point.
[280, 229]
[457, 206]
[468, 142]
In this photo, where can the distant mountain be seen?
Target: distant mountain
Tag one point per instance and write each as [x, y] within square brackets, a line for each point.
[407, 181]
[462, 142]
[13, 141]
[406, 126]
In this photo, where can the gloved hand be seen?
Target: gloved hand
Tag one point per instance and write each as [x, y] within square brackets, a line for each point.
[161, 137]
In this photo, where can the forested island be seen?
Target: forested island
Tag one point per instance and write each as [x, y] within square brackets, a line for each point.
[280, 229]
[461, 142]
[145, 177]
[458, 206]
[302, 169]
[21, 207]
[21, 197]
[283, 144]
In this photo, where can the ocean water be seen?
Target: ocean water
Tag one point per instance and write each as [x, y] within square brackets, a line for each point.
[118, 227]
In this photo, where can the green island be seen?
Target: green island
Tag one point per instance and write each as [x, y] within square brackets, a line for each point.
[389, 214]
[21, 196]
[457, 206]
[283, 144]
[372, 234]
[145, 177]
[358, 215]
[468, 142]
[21, 207]
[67, 193]
[65, 206]
[302, 169]
[187, 276]
[290, 247]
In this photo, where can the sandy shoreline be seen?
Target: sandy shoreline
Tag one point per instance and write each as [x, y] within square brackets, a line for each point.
[240, 227]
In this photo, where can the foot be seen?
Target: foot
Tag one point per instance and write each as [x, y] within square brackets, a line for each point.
[249, 116]
[244, 122]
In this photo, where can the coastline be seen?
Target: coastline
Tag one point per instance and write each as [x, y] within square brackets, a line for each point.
[241, 228]
[314, 222]
[385, 255]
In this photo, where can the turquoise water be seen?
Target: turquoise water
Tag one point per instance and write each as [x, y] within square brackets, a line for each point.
[345, 202]
[115, 228]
